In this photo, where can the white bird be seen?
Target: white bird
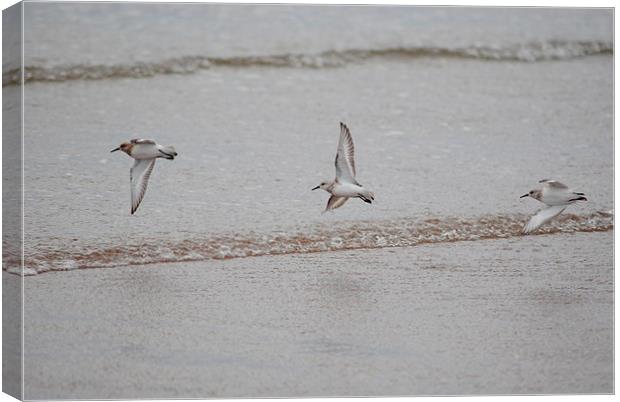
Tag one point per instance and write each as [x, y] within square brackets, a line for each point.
[556, 196]
[344, 186]
[145, 152]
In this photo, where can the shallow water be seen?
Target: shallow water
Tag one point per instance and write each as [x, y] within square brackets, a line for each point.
[455, 113]
[436, 139]
[123, 34]
[529, 315]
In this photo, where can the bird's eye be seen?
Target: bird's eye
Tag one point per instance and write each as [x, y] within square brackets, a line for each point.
[531, 192]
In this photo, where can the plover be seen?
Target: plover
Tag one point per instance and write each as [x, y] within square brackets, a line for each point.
[344, 186]
[556, 196]
[145, 152]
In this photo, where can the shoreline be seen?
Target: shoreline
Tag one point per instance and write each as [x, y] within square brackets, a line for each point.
[407, 321]
[440, 231]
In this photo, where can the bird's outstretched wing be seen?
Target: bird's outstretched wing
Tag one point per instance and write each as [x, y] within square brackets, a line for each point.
[139, 176]
[345, 157]
[543, 216]
[335, 202]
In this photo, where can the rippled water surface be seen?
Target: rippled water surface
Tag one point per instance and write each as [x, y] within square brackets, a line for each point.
[455, 113]
[229, 281]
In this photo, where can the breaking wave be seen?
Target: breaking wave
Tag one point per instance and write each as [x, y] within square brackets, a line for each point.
[529, 52]
[320, 238]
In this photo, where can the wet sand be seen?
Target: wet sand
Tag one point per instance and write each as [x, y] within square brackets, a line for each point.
[528, 315]
[455, 112]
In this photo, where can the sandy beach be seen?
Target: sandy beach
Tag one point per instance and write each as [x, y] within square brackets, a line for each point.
[229, 281]
[487, 317]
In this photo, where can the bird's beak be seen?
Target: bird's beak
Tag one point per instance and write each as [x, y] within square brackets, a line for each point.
[317, 187]
[115, 149]
[524, 195]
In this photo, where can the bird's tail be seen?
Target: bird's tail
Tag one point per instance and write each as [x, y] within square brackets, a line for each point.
[169, 150]
[580, 198]
[367, 196]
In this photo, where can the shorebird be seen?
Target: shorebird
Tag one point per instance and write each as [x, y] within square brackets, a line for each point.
[344, 186]
[556, 196]
[145, 152]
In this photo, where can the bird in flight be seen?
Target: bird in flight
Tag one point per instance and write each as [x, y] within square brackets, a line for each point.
[145, 152]
[344, 186]
[556, 196]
